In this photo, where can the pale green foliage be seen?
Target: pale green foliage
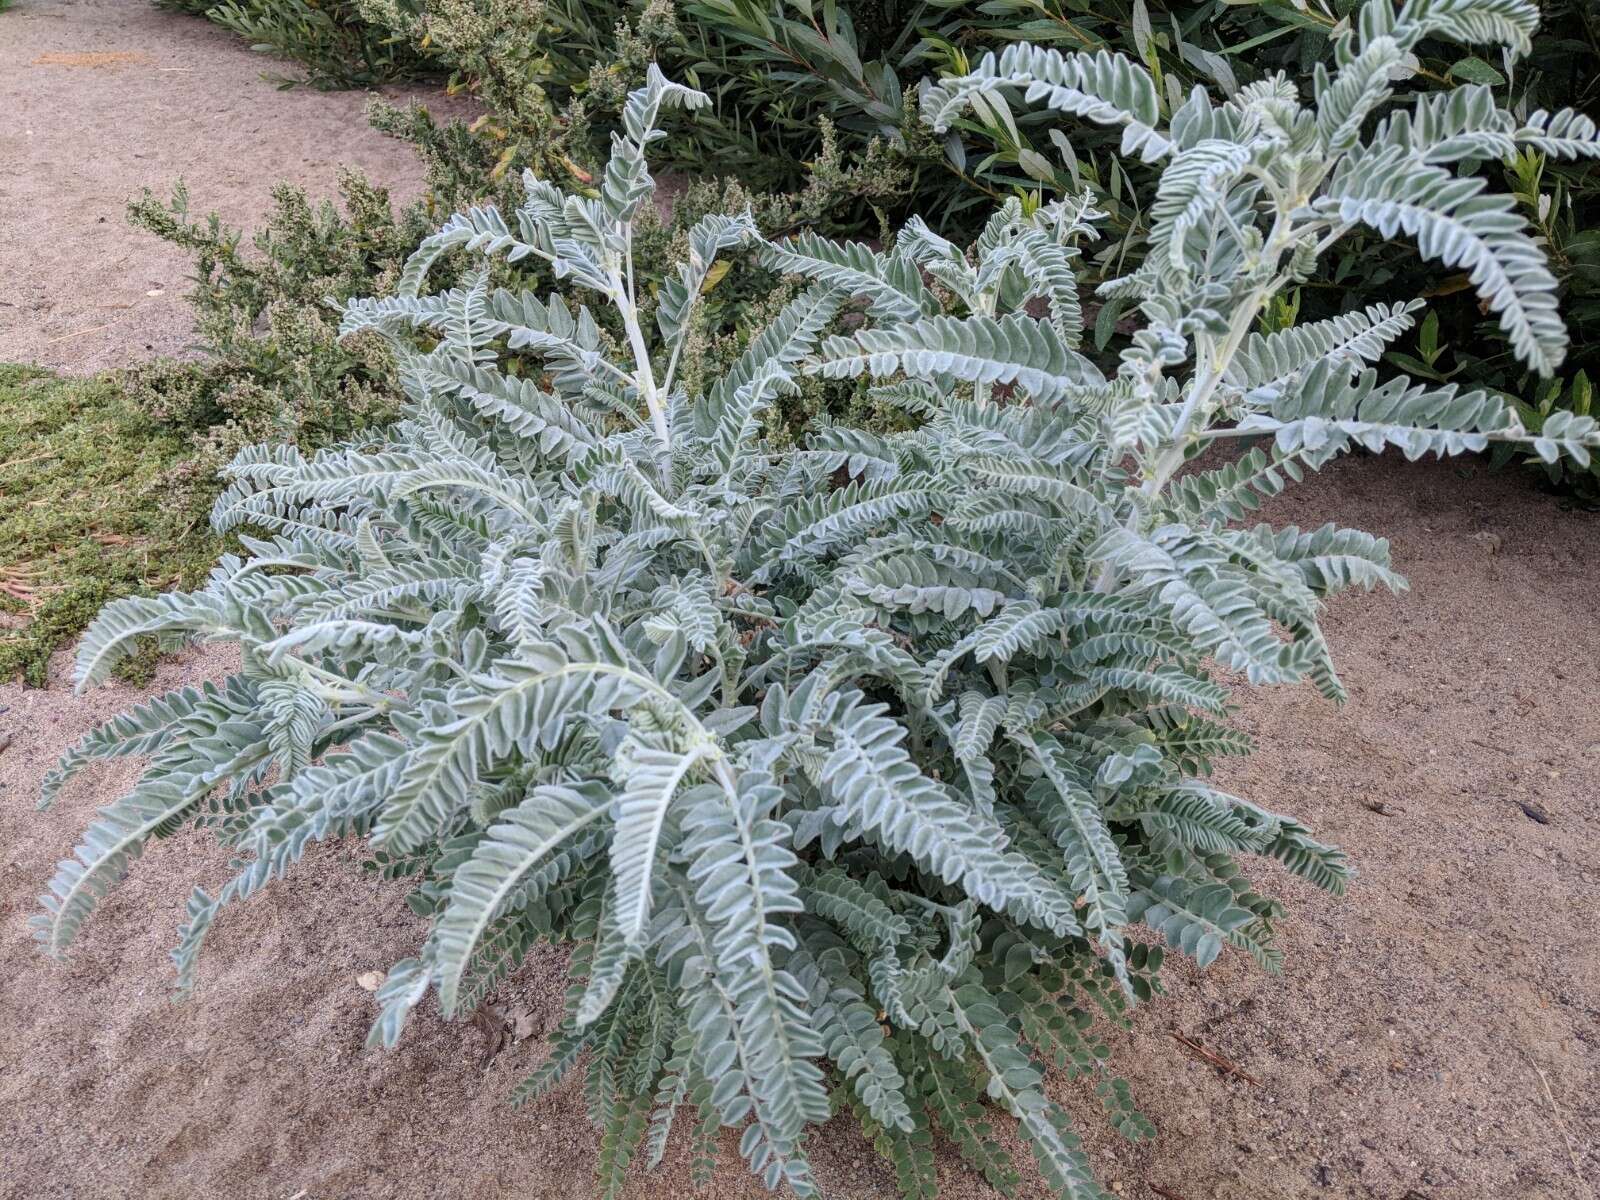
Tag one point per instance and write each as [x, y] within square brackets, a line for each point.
[872, 787]
[1266, 150]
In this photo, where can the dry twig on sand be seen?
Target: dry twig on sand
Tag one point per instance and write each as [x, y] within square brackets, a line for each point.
[1215, 1059]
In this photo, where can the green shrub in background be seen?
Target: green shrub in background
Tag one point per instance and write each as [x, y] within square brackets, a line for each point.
[789, 91]
[827, 94]
[332, 43]
[1563, 203]
[865, 772]
[544, 68]
[777, 70]
[264, 316]
[1227, 44]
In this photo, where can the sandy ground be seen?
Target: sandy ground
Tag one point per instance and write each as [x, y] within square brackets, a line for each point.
[1436, 1035]
[100, 99]
[1433, 1038]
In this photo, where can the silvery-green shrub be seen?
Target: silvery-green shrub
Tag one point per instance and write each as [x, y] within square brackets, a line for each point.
[866, 773]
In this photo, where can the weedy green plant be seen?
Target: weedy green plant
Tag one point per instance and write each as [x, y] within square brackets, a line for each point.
[274, 367]
[865, 772]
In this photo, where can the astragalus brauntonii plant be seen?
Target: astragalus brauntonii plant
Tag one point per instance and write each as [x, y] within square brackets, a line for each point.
[866, 774]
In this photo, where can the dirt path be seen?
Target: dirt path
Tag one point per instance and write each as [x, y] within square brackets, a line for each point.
[102, 98]
[1436, 1035]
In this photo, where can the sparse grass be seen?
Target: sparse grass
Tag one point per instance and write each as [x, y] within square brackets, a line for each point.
[89, 510]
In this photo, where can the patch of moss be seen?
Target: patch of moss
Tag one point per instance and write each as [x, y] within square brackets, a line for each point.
[88, 512]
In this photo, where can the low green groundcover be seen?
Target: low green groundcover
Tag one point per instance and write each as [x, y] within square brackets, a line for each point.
[94, 505]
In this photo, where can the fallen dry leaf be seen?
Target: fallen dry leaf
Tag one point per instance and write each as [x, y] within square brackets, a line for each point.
[93, 58]
[523, 1024]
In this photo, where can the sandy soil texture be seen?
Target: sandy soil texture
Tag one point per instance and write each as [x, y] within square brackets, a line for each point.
[1436, 1035]
[103, 98]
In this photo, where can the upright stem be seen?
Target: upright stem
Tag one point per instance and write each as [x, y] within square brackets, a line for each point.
[1215, 365]
[985, 307]
[644, 378]
[1214, 359]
